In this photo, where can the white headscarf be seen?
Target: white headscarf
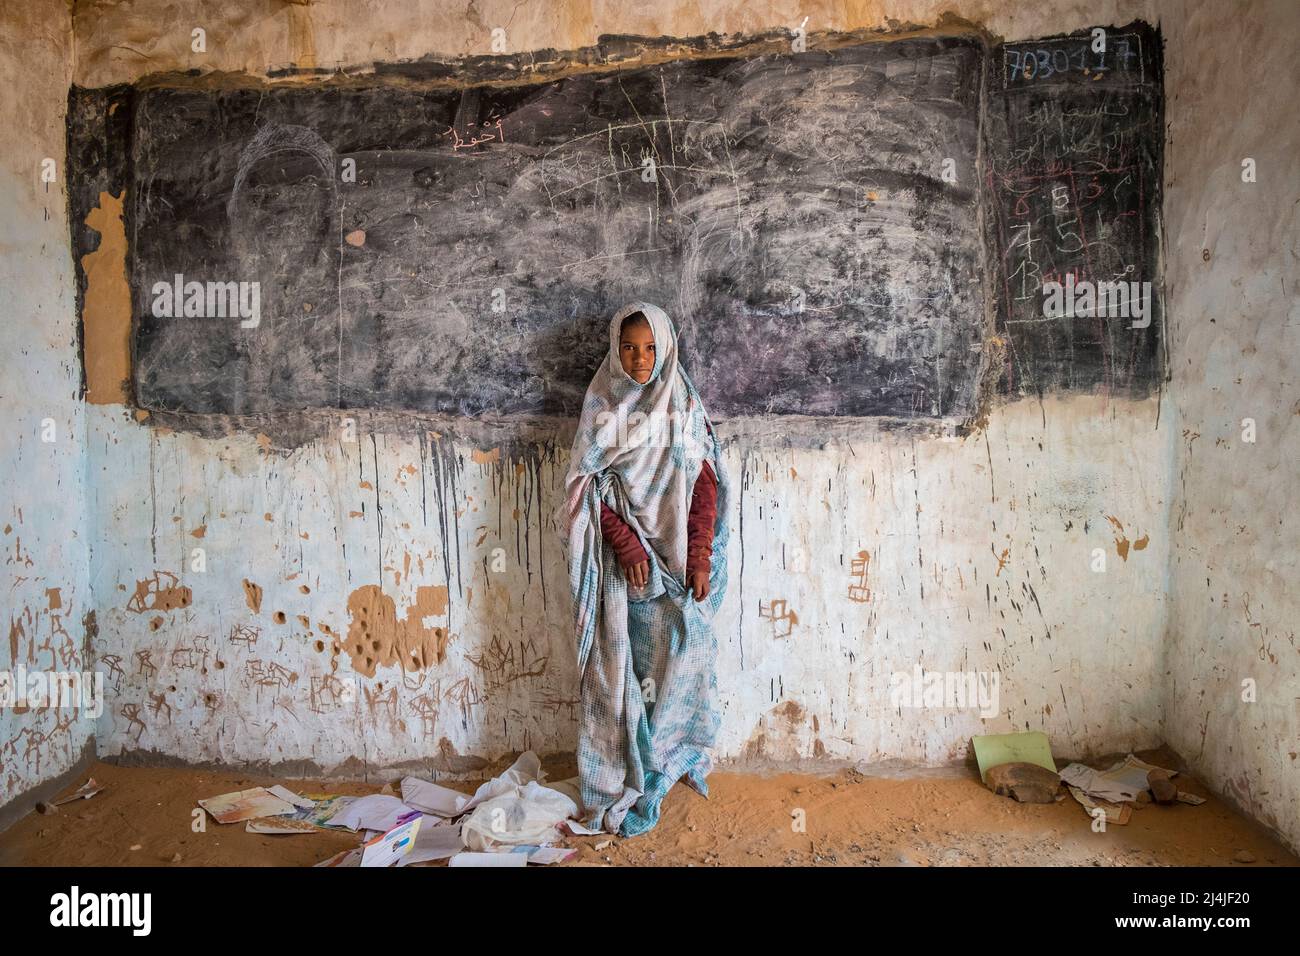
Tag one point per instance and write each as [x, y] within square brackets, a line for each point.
[652, 437]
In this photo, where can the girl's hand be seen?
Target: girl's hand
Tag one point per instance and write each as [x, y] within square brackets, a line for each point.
[699, 582]
[637, 574]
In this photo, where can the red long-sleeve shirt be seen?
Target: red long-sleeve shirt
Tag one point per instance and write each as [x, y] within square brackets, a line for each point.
[700, 524]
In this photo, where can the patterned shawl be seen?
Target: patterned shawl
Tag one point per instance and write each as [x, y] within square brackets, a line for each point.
[645, 655]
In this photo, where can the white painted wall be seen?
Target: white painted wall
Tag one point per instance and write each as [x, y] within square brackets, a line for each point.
[1076, 651]
[1235, 343]
[43, 528]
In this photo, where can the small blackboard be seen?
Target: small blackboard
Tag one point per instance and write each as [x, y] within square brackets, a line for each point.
[1074, 136]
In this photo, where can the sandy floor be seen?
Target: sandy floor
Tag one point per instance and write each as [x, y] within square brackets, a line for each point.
[932, 818]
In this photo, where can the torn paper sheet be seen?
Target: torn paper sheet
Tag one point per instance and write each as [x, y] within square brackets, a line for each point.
[387, 848]
[434, 843]
[574, 828]
[540, 855]
[489, 859]
[431, 798]
[245, 805]
[288, 796]
[378, 811]
[279, 825]
[1117, 813]
[546, 855]
[1124, 781]
[350, 857]
[323, 808]
[1191, 799]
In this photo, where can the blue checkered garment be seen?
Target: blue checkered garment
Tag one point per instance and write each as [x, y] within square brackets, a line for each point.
[646, 656]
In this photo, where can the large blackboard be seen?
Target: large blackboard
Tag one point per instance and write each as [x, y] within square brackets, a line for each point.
[1074, 135]
[846, 232]
[796, 226]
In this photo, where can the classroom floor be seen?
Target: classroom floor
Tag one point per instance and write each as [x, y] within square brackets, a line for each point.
[920, 818]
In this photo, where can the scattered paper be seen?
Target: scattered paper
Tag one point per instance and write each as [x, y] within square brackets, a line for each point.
[577, 829]
[434, 842]
[350, 857]
[431, 798]
[546, 855]
[377, 811]
[387, 849]
[1123, 781]
[527, 814]
[1117, 813]
[245, 805]
[489, 859]
[323, 808]
[1191, 799]
[279, 825]
[288, 796]
[526, 799]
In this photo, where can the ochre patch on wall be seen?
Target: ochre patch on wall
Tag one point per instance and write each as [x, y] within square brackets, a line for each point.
[1121, 539]
[162, 591]
[377, 638]
[253, 596]
[106, 311]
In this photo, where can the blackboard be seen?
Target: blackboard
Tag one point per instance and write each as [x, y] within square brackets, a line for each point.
[796, 225]
[862, 230]
[1074, 134]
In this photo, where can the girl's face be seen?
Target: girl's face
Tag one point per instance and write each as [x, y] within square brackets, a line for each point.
[636, 350]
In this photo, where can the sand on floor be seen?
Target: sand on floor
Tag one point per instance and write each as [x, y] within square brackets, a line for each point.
[946, 817]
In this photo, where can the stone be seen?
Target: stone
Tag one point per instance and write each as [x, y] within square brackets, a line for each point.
[1163, 790]
[1244, 856]
[1024, 782]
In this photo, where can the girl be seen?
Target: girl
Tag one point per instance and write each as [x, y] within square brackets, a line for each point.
[645, 537]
